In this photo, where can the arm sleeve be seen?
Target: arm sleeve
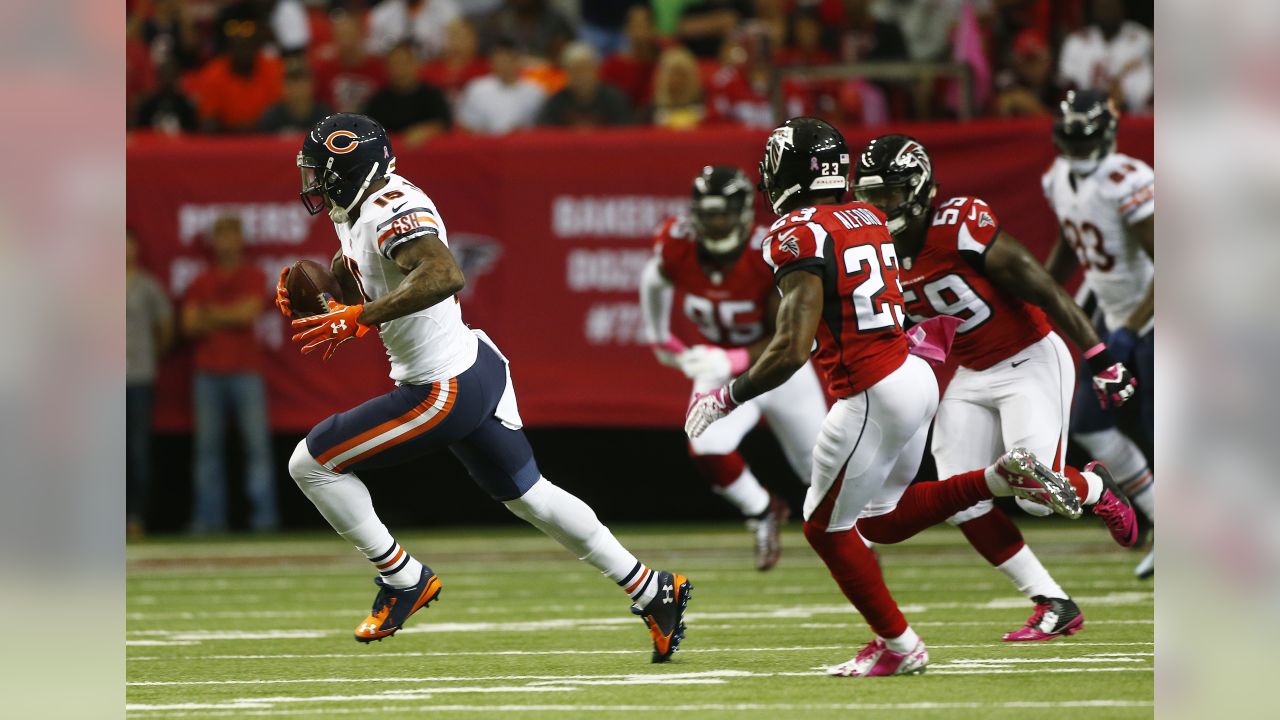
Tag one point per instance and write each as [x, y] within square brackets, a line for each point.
[656, 295]
[977, 227]
[410, 222]
[796, 246]
[1133, 191]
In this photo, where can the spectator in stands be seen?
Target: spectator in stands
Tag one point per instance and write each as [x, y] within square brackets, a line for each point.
[927, 24]
[167, 109]
[1026, 88]
[604, 23]
[346, 75]
[631, 70]
[865, 38]
[282, 24]
[407, 105]
[391, 22]
[235, 88]
[804, 41]
[774, 18]
[501, 101]
[148, 331]
[1112, 54]
[218, 314]
[705, 24]
[459, 63]
[298, 109]
[536, 28]
[585, 101]
[139, 72]
[678, 101]
[169, 31]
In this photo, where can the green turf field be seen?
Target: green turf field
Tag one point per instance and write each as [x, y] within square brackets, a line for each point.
[262, 627]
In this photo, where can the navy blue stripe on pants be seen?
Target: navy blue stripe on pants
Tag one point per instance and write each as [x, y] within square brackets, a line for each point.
[498, 458]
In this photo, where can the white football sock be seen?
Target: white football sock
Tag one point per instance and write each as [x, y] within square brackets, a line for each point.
[904, 643]
[1121, 455]
[570, 522]
[747, 494]
[344, 501]
[1031, 577]
[1145, 501]
[1095, 488]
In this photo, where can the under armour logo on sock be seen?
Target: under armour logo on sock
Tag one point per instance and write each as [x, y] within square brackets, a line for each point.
[338, 326]
[667, 590]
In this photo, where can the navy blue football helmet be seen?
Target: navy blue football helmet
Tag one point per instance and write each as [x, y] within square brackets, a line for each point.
[1084, 129]
[341, 156]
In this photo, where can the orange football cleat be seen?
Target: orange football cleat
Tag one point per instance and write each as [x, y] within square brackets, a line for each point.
[665, 614]
[393, 606]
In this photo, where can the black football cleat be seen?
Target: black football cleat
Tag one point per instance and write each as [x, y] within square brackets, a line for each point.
[393, 606]
[665, 614]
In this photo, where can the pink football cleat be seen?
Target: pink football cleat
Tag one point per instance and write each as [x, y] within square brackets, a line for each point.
[1053, 617]
[1032, 480]
[1114, 508]
[877, 660]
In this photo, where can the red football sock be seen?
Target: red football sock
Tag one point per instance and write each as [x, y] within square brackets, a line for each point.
[855, 570]
[720, 470]
[994, 536]
[924, 505]
[1078, 482]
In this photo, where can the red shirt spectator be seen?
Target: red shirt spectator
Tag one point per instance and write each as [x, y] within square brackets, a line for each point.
[235, 88]
[631, 70]
[345, 75]
[223, 303]
[460, 61]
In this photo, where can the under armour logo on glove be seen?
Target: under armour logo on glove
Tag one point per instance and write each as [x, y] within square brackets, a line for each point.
[331, 328]
[707, 408]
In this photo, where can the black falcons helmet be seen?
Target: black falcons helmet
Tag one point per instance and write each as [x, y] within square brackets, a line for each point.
[801, 156]
[895, 174]
[340, 157]
[722, 208]
[1085, 129]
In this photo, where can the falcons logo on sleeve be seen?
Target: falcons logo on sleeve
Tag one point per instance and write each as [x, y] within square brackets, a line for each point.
[791, 245]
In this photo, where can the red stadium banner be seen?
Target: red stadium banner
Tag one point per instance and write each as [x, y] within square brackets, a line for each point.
[551, 229]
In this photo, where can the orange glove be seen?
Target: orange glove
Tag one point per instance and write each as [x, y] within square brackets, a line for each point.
[282, 293]
[334, 327]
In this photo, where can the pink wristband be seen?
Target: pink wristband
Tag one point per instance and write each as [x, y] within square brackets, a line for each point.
[1094, 350]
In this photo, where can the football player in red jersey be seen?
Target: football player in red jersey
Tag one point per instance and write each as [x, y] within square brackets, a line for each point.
[710, 263]
[1015, 378]
[836, 267]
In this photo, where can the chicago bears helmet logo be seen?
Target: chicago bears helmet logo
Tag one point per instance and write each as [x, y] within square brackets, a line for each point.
[332, 142]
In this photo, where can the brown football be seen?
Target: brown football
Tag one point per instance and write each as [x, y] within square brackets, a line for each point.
[307, 280]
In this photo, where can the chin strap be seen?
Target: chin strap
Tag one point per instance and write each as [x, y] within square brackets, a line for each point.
[343, 214]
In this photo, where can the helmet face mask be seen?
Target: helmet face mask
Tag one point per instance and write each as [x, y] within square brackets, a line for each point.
[895, 174]
[722, 210]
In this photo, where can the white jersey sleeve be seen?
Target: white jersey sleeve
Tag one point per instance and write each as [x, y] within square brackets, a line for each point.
[428, 345]
[1129, 185]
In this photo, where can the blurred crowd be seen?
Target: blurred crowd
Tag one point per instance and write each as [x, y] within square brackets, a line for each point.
[424, 67]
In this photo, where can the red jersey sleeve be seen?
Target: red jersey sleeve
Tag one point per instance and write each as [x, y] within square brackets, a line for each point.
[666, 242]
[795, 243]
[976, 227]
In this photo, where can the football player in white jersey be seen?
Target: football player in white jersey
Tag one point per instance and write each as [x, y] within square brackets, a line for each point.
[1106, 208]
[453, 388]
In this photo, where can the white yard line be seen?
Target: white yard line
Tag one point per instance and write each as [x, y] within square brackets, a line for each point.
[803, 612]
[644, 678]
[244, 707]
